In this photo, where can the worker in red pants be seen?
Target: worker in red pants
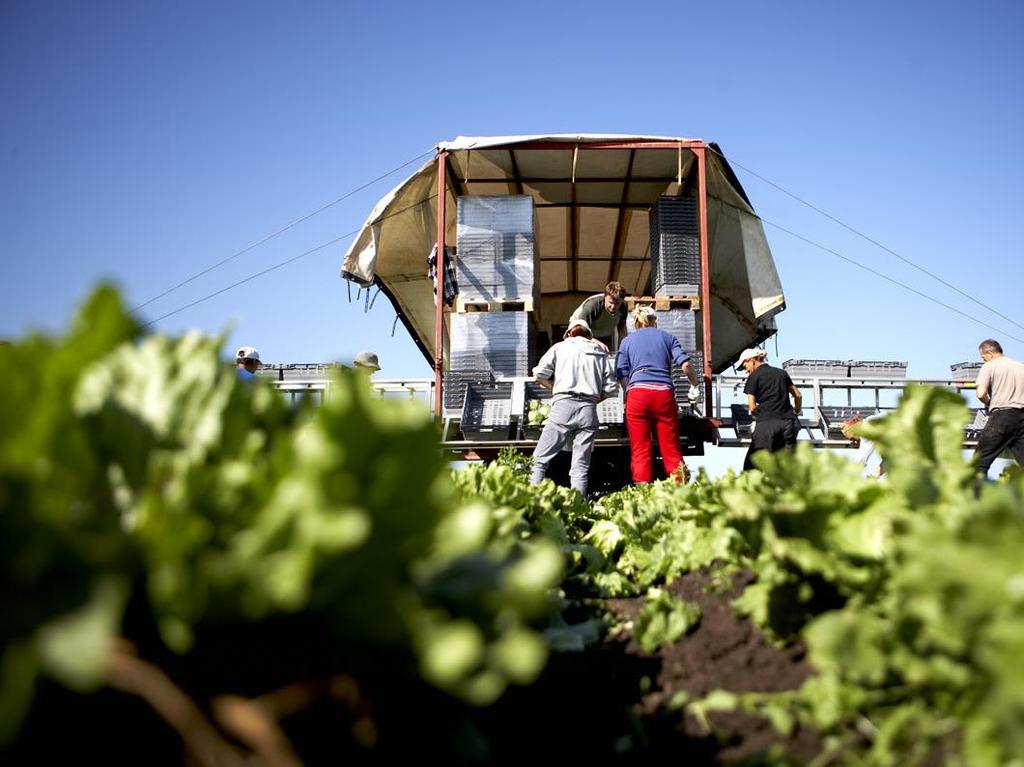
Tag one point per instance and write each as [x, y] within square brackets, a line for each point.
[644, 369]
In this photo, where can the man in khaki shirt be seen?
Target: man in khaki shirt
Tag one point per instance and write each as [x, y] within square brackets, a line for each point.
[1001, 389]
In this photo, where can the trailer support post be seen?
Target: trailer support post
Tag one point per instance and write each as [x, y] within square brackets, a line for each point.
[705, 274]
[439, 295]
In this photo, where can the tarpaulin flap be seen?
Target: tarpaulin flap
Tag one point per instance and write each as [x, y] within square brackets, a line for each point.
[591, 225]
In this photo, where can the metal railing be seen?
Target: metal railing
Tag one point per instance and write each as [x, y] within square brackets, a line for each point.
[827, 402]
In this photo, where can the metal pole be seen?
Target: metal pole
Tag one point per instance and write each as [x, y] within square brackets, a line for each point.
[439, 298]
[705, 272]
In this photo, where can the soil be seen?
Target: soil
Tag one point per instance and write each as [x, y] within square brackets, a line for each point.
[607, 704]
[723, 652]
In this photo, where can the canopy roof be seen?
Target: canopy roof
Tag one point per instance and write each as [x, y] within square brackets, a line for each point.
[591, 198]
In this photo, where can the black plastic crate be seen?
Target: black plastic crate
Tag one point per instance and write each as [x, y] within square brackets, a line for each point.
[742, 421]
[487, 410]
[832, 418]
[455, 385]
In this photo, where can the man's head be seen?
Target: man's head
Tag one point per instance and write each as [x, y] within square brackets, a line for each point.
[247, 357]
[644, 317]
[366, 361]
[613, 295]
[578, 328]
[751, 360]
[989, 349]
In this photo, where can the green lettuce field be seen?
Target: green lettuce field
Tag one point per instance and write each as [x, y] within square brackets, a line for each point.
[196, 571]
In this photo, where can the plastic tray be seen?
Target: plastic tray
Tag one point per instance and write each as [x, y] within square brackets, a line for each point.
[487, 410]
[875, 369]
[817, 368]
[965, 371]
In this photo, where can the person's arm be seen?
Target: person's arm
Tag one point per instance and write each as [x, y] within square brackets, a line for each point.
[611, 388]
[982, 387]
[544, 372]
[690, 372]
[797, 399]
[750, 389]
[622, 366]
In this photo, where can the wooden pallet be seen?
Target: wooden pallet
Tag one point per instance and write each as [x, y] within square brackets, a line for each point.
[662, 303]
[466, 305]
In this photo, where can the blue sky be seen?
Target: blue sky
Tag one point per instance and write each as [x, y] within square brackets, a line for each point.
[143, 142]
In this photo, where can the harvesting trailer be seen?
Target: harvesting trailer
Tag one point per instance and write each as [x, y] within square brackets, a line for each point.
[592, 197]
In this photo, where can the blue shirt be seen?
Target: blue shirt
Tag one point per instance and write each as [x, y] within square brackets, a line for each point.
[648, 356]
[244, 374]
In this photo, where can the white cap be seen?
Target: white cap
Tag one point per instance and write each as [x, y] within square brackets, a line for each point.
[366, 359]
[248, 353]
[750, 354]
[576, 324]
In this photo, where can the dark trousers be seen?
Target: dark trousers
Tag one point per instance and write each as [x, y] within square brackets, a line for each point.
[1003, 431]
[771, 434]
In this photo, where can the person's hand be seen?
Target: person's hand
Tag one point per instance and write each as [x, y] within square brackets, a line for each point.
[603, 345]
[694, 393]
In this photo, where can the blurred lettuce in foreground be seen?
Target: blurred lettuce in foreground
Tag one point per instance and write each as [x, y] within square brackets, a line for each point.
[141, 461]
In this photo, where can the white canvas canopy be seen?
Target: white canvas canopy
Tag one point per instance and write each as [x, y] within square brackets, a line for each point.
[591, 195]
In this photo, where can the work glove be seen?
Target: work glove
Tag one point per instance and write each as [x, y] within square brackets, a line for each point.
[694, 393]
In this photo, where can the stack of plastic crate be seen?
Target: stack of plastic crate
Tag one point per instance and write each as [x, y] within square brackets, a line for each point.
[817, 368]
[498, 342]
[675, 247]
[300, 371]
[682, 324]
[965, 371]
[455, 382]
[495, 245]
[877, 369]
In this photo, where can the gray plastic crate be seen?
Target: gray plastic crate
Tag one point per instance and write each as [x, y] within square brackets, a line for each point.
[611, 417]
[965, 371]
[817, 368]
[832, 418]
[877, 369]
[299, 371]
[487, 410]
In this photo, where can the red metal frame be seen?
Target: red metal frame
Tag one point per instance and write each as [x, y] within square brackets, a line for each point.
[439, 297]
[705, 272]
[696, 146]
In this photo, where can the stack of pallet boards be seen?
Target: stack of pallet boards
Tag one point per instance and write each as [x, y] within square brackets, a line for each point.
[493, 327]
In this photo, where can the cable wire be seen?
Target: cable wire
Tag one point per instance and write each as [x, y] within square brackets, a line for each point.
[282, 230]
[889, 279]
[874, 242]
[282, 264]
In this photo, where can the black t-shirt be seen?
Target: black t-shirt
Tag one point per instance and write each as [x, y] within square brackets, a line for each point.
[770, 387]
